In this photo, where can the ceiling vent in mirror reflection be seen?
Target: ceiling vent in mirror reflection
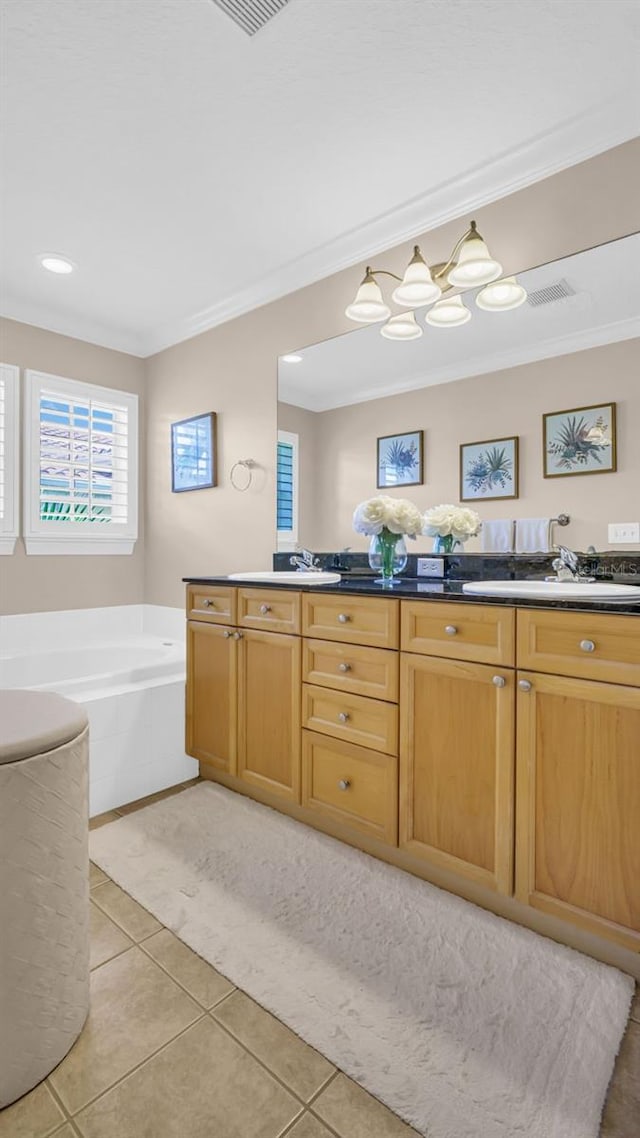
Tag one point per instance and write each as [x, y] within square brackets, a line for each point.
[551, 293]
[250, 15]
[571, 306]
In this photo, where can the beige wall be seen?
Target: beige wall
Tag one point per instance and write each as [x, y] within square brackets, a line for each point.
[509, 402]
[37, 584]
[233, 369]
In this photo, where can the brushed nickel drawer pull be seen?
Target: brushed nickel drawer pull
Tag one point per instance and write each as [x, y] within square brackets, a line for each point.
[344, 667]
[344, 617]
[450, 629]
[238, 635]
[264, 609]
[227, 635]
[499, 681]
[344, 784]
[208, 603]
[343, 716]
[587, 646]
[524, 685]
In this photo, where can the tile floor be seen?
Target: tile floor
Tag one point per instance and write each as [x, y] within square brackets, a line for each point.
[173, 1050]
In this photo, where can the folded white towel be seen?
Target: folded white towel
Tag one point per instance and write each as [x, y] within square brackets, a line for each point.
[497, 536]
[533, 535]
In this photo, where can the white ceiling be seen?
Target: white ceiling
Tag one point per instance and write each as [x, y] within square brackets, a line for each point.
[193, 173]
[363, 365]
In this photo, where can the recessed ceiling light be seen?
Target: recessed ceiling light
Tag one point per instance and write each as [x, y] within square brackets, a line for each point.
[292, 358]
[56, 264]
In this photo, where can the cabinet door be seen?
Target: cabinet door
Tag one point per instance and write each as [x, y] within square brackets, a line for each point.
[457, 767]
[211, 695]
[578, 793]
[269, 678]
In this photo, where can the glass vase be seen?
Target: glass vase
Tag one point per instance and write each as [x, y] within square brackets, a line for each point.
[387, 555]
[446, 544]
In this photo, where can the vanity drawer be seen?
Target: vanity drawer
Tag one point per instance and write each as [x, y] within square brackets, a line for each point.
[351, 785]
[361, 670]
[272, 610]
[367, 722]
[213, 603]
[590, 646]
[483, 633]
[352, 620]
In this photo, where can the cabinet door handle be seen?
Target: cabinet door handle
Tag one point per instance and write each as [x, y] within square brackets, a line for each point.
[344, 667]
[344, 784]
[208, 603]
[343, 716]
[344, 617]
[499, 681]
[587, 646]
[264, 609]
[450, 629]
[525, 685]
[227, 635]
[238, 635]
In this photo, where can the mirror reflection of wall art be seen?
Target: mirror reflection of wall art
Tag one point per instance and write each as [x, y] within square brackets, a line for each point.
[489, 469]
[400, 460]
[579, 441]
[193, 453]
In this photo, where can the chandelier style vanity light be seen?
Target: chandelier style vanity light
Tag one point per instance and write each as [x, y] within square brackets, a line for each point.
[469, 265]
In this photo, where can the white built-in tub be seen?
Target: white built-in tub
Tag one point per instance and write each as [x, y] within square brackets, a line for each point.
[128, 676]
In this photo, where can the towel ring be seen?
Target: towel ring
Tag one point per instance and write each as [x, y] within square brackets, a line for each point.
[248, 464]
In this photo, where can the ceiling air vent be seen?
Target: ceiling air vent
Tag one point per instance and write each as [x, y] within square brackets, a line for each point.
[250, 15]
[550, 293]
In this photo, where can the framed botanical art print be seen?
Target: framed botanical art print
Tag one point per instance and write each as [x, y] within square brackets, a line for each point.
[400, 460]
[579, 441]
[193, 453]
[489, 470]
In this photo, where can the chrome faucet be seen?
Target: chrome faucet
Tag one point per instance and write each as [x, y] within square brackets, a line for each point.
[566, 566]
[306, 562]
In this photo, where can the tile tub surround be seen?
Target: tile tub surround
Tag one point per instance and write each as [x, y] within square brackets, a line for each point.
[136, 729]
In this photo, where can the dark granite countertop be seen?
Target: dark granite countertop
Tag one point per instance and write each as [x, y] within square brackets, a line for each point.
[429, 590]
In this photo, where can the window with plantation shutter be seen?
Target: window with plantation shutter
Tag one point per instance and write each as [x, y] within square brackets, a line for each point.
[287, 490]
[9, 485]
[81, 478]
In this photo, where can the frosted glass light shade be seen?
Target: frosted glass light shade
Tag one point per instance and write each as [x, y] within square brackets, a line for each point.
[501, 295]
[402, 327]
[368, 306]
[448, 313]
[417, 285]
[475, 264]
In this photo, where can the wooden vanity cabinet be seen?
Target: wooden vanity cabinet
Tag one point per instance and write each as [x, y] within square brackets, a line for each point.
[212, 695]
[269, 712]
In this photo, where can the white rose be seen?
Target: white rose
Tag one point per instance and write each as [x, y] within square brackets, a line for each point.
[369, 517]
[404, 517]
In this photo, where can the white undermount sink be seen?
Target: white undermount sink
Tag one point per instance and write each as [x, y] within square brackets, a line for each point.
[288, 577]
[555, 590]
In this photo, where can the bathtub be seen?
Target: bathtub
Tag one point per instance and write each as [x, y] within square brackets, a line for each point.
[127, 675]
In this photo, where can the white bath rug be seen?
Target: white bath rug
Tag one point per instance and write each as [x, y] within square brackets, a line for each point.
[465, 1025]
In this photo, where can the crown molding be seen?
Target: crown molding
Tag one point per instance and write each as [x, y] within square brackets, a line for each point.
[600, 128]
[611, 333]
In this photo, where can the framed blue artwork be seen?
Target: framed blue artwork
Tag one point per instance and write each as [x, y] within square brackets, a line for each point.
[400, 460]
[489, 469]
[193, 453]
[579, 441]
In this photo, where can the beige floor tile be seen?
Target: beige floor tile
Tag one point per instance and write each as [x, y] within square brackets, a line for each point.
[107, 939]
[67, 1131]
[355, 1114]
[202, 1085]
[635, 1005]
[283, 1052]
[132, 918]
[135, 1009]
[96, 876]
[206, 985]
[140, 803]
[102, 819]
[34, 1115]
[622, 1109]
[309, 1127]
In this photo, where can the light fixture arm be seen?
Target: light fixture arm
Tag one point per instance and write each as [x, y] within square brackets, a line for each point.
[376, 272]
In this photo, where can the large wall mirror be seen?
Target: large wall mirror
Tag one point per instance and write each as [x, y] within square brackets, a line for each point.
[572, 345]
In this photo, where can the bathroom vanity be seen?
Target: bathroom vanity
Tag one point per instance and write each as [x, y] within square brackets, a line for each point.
[492, 748]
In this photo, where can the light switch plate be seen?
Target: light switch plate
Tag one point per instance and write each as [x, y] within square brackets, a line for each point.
[624, 533]
[430, 567]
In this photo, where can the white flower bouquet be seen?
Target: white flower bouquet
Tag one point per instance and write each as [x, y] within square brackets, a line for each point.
[450, 526]
[387, 521]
